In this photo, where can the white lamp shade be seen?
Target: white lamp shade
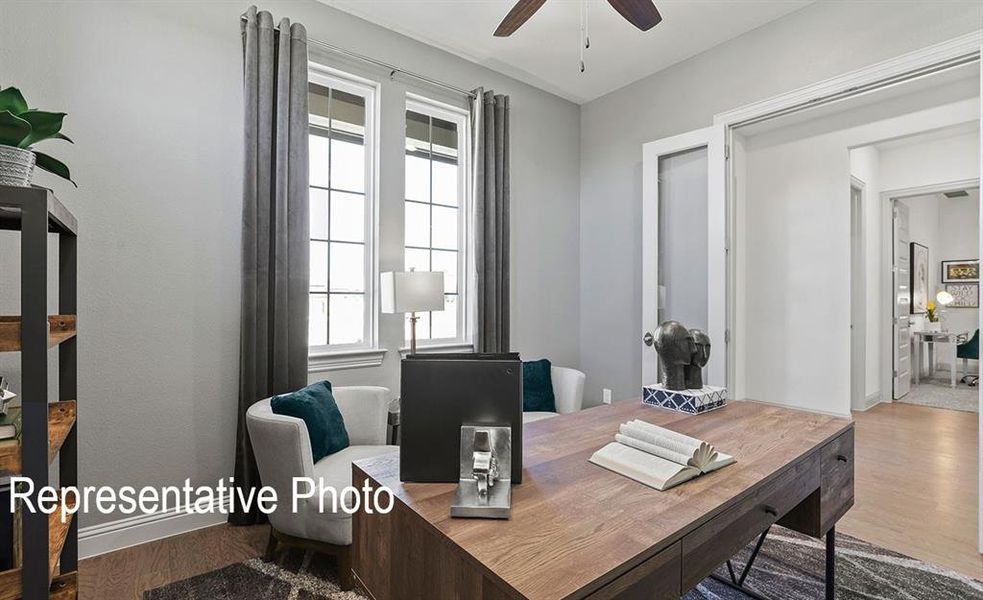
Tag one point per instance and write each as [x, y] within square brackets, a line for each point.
[944, 298]
[412, 291]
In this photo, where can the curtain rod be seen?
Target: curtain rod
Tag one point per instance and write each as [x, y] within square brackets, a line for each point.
[393, 69]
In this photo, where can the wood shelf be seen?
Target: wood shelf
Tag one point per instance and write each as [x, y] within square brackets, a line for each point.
[14, 199]
[34, 213]
[67, 585]
[61, 418]
[60, 328]
[63, 587]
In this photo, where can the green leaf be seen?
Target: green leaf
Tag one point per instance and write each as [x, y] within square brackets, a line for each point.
[12, 100]
[44, 125]
[13, 129]
[55, 166]
[62, 136]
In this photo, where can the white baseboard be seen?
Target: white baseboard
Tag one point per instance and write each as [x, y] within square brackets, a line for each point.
[829, 413]
[143, 528]
[870, 402]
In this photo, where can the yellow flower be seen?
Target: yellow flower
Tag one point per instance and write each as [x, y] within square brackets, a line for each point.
[931, 305]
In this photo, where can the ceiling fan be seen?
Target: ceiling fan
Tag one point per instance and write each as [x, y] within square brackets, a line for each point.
[640, 13]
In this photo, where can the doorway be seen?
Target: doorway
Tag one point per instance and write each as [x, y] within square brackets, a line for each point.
[825, 313]
[840, 280]
[815, 367]
[940, 222]
[683, 248]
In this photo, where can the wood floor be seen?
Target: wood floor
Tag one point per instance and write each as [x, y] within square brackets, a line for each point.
[915, 493]
[916, 486]
[126, 574]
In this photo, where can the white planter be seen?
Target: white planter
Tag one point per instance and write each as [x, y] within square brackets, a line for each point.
[16, 166]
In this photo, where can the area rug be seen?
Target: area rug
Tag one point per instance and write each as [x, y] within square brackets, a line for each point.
[936, 393]
[789, 567]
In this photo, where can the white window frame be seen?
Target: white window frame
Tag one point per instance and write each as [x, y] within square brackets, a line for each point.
[465, 263]
[368, 353]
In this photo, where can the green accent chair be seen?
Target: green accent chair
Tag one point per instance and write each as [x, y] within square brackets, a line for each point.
[969, 350]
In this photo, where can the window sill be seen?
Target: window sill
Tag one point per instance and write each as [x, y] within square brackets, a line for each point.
[437, 348]
[345, 359]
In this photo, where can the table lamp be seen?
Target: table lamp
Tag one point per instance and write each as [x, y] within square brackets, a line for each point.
[944, 299]
[412, 292]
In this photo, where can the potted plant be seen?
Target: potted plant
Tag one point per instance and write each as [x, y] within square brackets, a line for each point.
[20, 128]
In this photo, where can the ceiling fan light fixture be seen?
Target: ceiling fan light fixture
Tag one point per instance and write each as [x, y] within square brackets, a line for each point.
[641, 13]
[520, 13]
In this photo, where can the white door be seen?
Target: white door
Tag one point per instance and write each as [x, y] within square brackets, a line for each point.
[902, 301]
[684, 254]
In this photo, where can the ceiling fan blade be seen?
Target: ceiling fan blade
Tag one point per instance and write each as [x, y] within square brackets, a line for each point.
[519, 14]
[640, 13]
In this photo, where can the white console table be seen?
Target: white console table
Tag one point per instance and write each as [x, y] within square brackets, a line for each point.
[949, 339]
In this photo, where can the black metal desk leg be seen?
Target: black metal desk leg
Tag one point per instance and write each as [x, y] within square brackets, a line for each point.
[831, 564]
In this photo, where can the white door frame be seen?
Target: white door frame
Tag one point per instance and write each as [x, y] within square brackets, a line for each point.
[711, 138]
[858, 297]
[962, 50]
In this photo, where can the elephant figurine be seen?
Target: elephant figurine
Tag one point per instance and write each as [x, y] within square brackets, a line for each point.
[676, 347]
[700, 358]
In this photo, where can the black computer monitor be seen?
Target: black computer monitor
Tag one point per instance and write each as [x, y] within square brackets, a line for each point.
[440, 393]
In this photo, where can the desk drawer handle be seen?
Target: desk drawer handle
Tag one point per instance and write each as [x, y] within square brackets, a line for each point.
[842, 458]
[771, 511]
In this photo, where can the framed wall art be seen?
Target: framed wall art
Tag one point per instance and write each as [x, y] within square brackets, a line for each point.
[965, 295]
[919, 278]
[961, 271]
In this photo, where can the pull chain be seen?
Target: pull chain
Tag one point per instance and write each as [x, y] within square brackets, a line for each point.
[584, 32]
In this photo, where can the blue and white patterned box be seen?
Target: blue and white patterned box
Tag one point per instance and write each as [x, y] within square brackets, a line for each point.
[689, 401]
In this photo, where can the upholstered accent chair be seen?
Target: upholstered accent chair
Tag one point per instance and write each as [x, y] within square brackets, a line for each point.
[283, 451]
[969, 350]
[568, 388]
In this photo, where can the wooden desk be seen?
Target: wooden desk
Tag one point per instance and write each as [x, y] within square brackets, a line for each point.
[580, 531]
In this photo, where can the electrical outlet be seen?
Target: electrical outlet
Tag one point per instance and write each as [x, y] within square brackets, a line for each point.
[606, 396]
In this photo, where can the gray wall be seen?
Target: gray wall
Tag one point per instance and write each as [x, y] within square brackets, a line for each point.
[820, 41]
[153, 92]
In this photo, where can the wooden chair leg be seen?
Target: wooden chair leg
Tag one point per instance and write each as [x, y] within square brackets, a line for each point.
[271, 547]
[345, 578]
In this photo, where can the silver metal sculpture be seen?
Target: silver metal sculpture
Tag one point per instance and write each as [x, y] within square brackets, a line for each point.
[484, 464]
[682, 353]
[484, 490]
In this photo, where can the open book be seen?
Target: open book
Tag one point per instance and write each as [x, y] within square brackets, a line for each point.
[658, 457]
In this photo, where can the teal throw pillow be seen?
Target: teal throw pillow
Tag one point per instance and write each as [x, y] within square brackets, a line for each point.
[316, 406]
[537, 387]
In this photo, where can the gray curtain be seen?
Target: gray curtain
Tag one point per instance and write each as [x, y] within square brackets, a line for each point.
[490, 152]
[275, 225]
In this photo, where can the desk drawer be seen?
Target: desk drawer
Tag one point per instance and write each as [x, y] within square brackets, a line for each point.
[655, 579]
[724, 535]
[836, 491]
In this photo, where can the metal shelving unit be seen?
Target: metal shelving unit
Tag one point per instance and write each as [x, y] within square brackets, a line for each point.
[50, 547]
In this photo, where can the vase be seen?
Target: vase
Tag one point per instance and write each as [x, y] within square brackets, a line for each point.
[16, 166]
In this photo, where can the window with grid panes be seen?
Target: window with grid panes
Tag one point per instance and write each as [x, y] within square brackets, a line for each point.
[341, 284]
[435, 219]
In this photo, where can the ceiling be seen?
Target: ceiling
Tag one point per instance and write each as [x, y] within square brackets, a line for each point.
[545, 52]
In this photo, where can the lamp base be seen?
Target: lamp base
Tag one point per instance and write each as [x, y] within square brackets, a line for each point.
[413, 320]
